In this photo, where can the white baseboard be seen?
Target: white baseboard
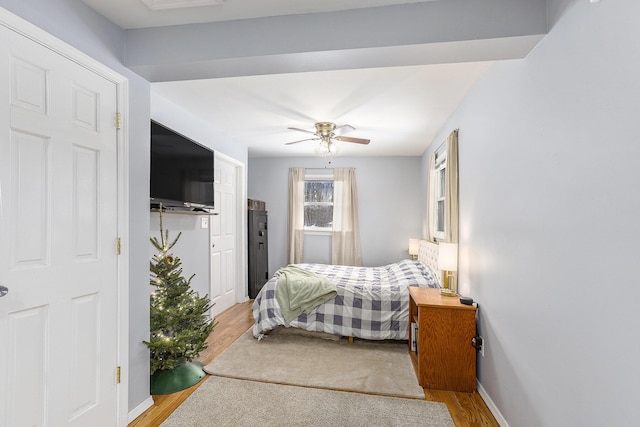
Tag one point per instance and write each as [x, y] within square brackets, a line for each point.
[138, 410]
[492, 406]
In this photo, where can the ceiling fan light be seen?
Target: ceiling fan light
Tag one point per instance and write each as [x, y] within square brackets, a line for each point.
[325, 149]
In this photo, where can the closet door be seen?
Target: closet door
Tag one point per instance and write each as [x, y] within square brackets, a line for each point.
[224, 235]
[58, 230]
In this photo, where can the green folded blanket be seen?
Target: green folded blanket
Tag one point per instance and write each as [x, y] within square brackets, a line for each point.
[300, 291]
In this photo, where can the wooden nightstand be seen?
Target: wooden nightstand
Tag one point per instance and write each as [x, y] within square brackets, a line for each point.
[444, 357]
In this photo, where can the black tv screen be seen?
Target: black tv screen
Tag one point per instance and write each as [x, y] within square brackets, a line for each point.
[181, 170]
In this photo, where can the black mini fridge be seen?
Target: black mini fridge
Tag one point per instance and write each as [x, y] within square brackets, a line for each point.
[258, 251]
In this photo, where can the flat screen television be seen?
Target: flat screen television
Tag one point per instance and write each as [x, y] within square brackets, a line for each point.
[181, 171]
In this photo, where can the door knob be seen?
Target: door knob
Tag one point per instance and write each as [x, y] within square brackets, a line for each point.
[3, 291]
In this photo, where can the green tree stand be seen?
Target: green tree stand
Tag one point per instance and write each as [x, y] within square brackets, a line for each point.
[182, 376]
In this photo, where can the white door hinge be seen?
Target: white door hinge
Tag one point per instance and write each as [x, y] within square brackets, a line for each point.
[118, 121]
[118, 246]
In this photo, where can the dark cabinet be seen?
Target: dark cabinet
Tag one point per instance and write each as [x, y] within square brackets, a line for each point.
[258, 252]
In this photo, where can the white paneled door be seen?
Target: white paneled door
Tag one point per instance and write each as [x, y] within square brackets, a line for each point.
[224, 256]
[58, 232]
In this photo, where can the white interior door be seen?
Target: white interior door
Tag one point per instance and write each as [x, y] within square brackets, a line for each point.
[58, 230]
[224, 257]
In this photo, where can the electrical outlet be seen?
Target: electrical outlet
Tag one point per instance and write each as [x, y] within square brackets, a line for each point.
[204, 222]
[483, 344]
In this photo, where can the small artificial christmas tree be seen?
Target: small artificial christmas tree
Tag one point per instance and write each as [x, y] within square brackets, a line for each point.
[179, 323]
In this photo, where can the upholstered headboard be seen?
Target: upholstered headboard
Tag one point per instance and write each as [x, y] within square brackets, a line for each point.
[428, 255]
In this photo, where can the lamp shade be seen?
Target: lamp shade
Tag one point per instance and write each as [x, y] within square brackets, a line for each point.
[414, 246]
[448, 256]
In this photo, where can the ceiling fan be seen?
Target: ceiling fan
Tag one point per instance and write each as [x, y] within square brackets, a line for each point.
[326, 134]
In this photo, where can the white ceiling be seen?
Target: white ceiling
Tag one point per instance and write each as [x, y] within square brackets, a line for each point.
[400, 109]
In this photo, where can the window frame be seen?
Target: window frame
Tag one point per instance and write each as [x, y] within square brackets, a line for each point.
[313, 230]
[440, 192]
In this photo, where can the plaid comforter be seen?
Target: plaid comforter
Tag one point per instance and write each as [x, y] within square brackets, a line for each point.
[372, 302]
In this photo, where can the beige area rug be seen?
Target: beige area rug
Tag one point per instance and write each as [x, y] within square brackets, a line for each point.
[290, 356]
[223, 402]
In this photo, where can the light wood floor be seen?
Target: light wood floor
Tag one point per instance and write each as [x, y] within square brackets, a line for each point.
[467, 409]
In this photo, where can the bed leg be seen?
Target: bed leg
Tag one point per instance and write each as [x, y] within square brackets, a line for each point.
[350, 340]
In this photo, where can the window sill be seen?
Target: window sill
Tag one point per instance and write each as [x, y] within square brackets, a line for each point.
[317, 232]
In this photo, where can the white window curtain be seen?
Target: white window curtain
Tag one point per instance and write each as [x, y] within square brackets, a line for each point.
[296, 215]
[345, 245]
[451, 190]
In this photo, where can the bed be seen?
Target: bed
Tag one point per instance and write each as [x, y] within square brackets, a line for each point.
[371, 302]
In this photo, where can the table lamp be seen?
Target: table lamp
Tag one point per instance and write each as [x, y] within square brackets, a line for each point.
[448, 263]
[414, 248]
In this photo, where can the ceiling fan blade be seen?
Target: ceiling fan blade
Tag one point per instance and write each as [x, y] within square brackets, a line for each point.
[303, 130]
[302, 140]
[349, 128]
[350, 139]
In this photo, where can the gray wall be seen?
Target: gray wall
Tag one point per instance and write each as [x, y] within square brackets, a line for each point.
[549, 206]
[193, 248]
[388, 204]
[78, 25]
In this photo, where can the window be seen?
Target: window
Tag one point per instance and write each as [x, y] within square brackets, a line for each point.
[439, 194]
[318, 204]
